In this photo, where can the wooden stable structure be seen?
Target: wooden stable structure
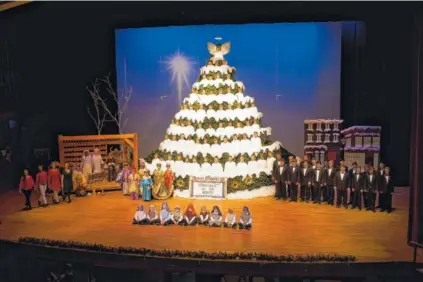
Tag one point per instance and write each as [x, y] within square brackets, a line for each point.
[71, 148]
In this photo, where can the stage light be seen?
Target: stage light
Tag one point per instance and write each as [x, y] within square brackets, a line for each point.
[180, 67]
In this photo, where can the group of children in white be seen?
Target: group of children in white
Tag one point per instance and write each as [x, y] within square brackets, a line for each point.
[190, 166]
[191, 218]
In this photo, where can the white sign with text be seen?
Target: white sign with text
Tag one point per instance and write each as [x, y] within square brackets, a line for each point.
[208, 187]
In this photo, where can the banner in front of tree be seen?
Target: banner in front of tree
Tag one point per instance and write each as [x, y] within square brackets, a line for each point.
[208, 187]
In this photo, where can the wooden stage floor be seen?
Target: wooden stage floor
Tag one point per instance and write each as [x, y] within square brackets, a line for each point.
[278, 227]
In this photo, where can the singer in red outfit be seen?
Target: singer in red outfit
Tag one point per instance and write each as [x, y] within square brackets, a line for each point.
[41, 185]
[26, 185]
[55, 181]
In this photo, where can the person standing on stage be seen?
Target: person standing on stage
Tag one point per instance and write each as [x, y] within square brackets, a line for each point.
[306, 178]
[318, 180]
[67, 182]
[293, 179]
[351, 174]
[330, 183]
[41, 185]
[86, 164]
[342, 183]
[146, 185]
[97, 161]
[386, 189]
[371, 182]
[26, 185]
[54, 182]
[357, 186]
[280, 178]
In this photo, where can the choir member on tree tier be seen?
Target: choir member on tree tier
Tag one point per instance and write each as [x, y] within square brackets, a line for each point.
[341, 187]
[357, 188]
[41, 185]
[330, 183]
[306, 178]
[26, 185]
[370, 189]
[318, 180]
[386, 189]
[293, 179]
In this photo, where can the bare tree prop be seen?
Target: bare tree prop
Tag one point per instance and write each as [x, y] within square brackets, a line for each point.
[122, 103]
[100, 114]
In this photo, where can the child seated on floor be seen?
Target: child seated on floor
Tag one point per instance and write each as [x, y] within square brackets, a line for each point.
[177, 217]
[245, 220]
[215, 217]
[230, 220]
[190, 215]
[140, 216]
[204, 216]
[165, 215]
[152, 216]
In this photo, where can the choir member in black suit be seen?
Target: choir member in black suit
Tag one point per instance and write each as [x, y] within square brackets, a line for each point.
[351, 174]
[330, 183]
[386, 189]
[342, 163]
[318, 180]
[357, 186]
[306, 178]
[293, 179]
[280, 177]
[380, 173]
[313, 163]
[370, 188]
[342, 183]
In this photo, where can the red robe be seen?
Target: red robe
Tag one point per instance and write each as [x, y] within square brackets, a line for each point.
[54, 180]
[168, 179]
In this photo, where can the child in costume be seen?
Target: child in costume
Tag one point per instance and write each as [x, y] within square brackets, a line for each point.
[152, 215]
[215, 217]
[230, 220]
[134, 184]
[146, 185]
[26, 186]
[245, 220]
[204, 216]
[140, 216]
[190, 215]
[177, 217]
[165, 215]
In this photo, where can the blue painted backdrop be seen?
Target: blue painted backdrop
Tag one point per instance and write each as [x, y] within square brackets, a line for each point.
[301, 62]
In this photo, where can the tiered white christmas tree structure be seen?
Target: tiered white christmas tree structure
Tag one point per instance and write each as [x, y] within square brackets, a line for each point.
[218, 132]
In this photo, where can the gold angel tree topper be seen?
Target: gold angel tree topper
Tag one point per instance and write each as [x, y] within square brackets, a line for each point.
[218, 50]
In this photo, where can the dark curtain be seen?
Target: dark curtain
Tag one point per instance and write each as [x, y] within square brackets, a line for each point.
[415, 231]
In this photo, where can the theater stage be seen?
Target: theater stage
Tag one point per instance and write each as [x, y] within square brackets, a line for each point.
[278, 227]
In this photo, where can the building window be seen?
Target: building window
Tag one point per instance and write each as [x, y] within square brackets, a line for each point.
[309, 138]
[336, 126]
[319, 126]
[376, 141]
[336, 138]
[310, 127]
[367, 141]
[327, 138]
[358, 141]
[318, 137]
[327, 127]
